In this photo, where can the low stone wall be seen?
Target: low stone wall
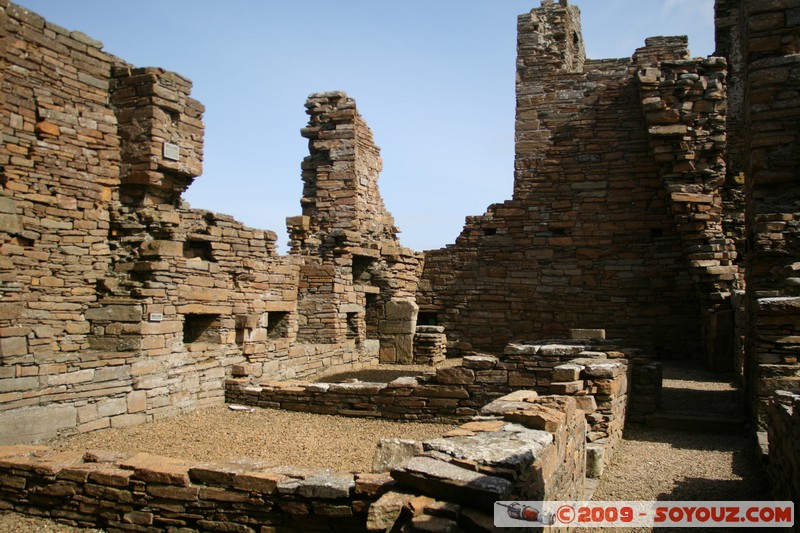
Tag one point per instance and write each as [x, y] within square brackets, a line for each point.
[784, 454]
[525, 447]
[597, 380]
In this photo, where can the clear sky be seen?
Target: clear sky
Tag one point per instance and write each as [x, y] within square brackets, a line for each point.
[434, 79]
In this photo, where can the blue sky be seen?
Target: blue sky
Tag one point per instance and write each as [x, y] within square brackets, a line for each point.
[434, 79]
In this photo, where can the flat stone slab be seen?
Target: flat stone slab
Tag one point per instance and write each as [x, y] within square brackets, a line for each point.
[479, 362]
[156, 469]
[516, 450]
[361, 387]
[604, 370]
[325, 486]
[452, 483]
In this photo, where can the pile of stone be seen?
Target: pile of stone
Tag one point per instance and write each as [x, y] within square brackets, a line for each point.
[430, 345]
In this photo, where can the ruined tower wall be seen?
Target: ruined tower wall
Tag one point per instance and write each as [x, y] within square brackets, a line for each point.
[354, 269]
[121, 304]
[768, 32]
[594, 235]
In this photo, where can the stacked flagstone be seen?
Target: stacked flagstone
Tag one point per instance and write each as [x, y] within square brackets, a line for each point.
[524, 447]
[430, 345]
[599, 232]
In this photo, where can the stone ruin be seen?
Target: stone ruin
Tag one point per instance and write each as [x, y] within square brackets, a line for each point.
[655, 199]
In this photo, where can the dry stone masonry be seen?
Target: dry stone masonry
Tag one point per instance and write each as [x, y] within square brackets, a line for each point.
[654, 196]
[121, 304]
[616, 220]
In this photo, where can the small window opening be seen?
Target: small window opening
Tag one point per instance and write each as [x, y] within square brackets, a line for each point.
[656, 232]
[490, 231]
[196, 249]
[352, 325]
[277, 324]
[361, 274]
[202, 328]
[427, 318]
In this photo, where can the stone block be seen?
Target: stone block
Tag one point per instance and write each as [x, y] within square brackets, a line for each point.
[7, 205]
[121, 421]
[112, 407]
[559, 350]
[36, 423]
[402, 310]
[391, 453]
[156, 469]
[70, 378]
[396, 327]
[404, 344]
[19, 384]
[566, 373]
[514, 447]
[604, 370]
[455, 375]
[479, 362]
[383, 514]
[586, 403]
[371, 485]
[137, 401]
[262, 482]
[111, 373]
[405, 382]
[10, 223]
[567, 387]
[158, 248]
[115, 313]
[581, 334]
[452, 483]
[327, 486]
[538, 417]
[595, 460]
[13, 346]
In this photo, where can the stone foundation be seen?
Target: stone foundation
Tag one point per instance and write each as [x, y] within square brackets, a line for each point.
[597, 381]
[528, 448]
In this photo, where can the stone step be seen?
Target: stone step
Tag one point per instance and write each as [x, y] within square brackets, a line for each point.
[689, 422]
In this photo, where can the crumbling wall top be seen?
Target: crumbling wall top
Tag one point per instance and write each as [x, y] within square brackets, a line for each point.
[341, 199]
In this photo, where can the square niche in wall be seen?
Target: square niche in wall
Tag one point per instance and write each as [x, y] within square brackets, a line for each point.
[277, 324]
[198, 250]
[204, 328]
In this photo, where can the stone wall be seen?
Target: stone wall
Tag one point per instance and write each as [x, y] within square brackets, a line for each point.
[120, 303]
[783, 463]
[357, 281]
[767, 33]
[596, 377]
[594, 235]
[454, 481]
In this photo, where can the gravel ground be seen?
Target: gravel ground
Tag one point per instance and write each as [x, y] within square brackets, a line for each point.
[275, 436]
[669, 465]
[17, 523]
[689, 388]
